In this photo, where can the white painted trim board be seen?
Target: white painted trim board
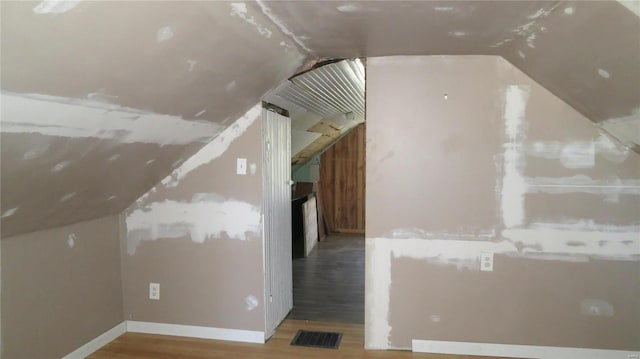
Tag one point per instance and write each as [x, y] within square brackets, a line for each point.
[98, 342]
[517, 351]
[192, 331]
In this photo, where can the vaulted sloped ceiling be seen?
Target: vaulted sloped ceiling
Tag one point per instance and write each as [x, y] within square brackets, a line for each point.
[100, 100]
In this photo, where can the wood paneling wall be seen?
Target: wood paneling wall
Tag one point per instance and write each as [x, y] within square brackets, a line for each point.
[342, 182]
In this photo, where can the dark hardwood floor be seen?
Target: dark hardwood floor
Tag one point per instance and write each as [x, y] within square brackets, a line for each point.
[328, 285]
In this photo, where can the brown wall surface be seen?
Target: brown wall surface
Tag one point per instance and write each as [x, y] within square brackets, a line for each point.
[466, 154]
[60, 288]
[342, 169]
[199, 235]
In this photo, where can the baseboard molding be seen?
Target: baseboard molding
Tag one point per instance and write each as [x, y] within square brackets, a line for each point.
[98, 342]
[192, 331]
[517, 351]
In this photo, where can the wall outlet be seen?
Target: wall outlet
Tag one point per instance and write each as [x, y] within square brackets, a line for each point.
[486, 262]
[154, 291]
[241, 166]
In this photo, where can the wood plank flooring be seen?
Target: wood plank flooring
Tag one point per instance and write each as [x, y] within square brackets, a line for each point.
[328, 285]
[134, 345]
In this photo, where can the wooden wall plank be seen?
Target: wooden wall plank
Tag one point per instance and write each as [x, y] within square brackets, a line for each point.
[342, 171]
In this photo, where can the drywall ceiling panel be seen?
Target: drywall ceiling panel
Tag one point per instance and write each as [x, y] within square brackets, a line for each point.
[102, 99]
[585, 52]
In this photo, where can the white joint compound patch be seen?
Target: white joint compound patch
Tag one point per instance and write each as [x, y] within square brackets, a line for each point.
[73, 118]
[568, 10]
[67, 196]
[596, 308]
[192, 65]
[113, 158]
[231, 86]
[625, 129]
[55, 6]
[60, 166]
[164, 34]
[513, 185]
[10, 212]
[579, 154]
[149, 162]
[71, 240]
[213, 149]
[280, 24]
[253, 168]
[35, 153]
[604, 73]
[206, 216]
[378, 284]
[251, 302]
[111, 198]
[239, 9]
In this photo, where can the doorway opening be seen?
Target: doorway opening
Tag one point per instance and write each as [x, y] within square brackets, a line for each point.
[326, 107]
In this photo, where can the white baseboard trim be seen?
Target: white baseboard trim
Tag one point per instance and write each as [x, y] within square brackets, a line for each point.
[98, 342]
[193, 331]
[518, 351]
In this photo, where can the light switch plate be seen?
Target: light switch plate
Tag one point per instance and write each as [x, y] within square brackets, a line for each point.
[241, 166]
[154, 291]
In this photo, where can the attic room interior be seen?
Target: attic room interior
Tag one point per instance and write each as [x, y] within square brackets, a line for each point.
[156, 158]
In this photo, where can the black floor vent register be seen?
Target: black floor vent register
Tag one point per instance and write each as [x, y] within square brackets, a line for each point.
[307, 338]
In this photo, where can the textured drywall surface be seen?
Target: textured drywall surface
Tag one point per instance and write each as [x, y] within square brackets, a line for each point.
[198, 233]
[103, 99]
[60, 288]
[585, 52]
[486, 160]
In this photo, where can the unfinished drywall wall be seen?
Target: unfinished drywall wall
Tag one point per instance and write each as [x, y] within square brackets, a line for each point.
[466, 154]
[61, 288]
[103, 99]
[198, 234]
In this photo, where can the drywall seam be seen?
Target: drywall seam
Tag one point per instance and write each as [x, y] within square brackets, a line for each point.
[212, 150]
[579, 154]
[78, 118]
[239, 9]
[206, 216]
[280, 24]
[513, 184]
[517, 351]
[378, 282]
[192, 331]
[541, 242]
[98, 342]
[55, 6]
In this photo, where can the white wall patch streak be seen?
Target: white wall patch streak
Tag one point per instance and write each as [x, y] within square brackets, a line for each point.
[604, 73]
[164, 34]
[35, 153]
[251, 302]
[513, 185]
[607, 245]
[579, 154]
[214, 149]
[596, 308]
[253, 168]
[192, 65]
[55, 6]
[280, 24]
[60, 166]
[10, 212]
[71, 240]
[73, 118]
[568, 10]
[113, 158]
[625, 129]
[206, 216]
[67, 196]
[377, 291]
[239, 9]
[200, 113]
